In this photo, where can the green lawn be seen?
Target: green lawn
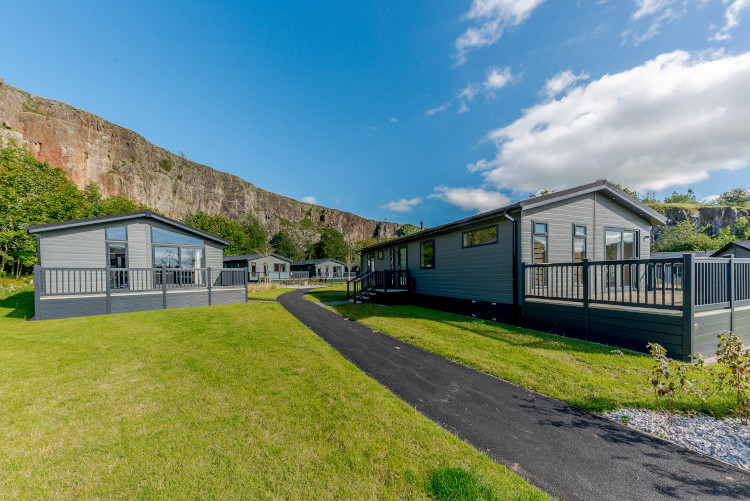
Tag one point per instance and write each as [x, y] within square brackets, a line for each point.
[587, 375]
[270, 293]
[334, 292]
[238, 401]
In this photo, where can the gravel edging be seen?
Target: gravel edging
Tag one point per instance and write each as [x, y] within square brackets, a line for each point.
[723, 439]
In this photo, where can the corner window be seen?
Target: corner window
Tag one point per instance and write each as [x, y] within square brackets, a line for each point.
[539, 243]
[482, 236]
[116, 233]
[427, 251]
[579, 243]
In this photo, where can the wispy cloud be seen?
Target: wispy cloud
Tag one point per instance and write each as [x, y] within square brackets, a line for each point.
[562, 82]
[402, 205]
[471, 199]
[497, 78]
[732, 15]
[493, 16]
[310, 200]
[668, 122]
[658, 12]
[439, 109]
[393, 120]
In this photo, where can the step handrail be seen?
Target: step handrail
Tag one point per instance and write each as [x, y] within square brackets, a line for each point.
[357, 285]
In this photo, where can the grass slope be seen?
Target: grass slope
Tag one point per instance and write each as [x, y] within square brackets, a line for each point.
[587, 375]
[334, 292]
[237, 401]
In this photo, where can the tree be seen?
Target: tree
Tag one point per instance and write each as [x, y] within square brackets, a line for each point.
[542, 192]
[741, 229]
[682, 198]
[223, 227]
[687, 236]
[331, 245]
[738, 197]
[257, 236]
[407, 229]
[284, 245]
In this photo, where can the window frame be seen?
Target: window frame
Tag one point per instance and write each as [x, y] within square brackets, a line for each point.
[421, 255]
[179, 254]
[497, 236]
[196, 241]
[381, 255]
[578, 237]
[545, 235]
[405, 265]
[622, 231]
[107, 239]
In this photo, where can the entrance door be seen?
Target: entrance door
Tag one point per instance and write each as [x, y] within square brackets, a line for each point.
[117, 255]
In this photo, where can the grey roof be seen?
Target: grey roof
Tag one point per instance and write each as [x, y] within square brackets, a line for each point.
[253, 257]
[745, 244]
[41, 228]
[670, 255]
[316, 261]
[616, 193]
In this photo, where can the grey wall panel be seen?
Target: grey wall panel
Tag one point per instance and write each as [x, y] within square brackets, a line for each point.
[139, 244]
[483, 273]
[74, 248]
[229, 296]
[187, 299]
[592, 210]
[71, 307]
[740, 252]
[130, 302]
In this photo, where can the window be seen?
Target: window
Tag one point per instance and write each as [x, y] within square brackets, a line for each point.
[539, 243]
[427, 250]
[402, 262]
[380, 254]
[482, 236]
[172, 237]
[579, 243]
[279, 267]
[116, 233]
[371, 261]
[177, 257]
[620, 244]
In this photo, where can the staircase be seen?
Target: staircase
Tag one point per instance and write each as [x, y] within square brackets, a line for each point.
[380, 287]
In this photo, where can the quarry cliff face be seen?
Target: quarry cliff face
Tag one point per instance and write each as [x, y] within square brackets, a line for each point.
[714, 218]
[91, 149]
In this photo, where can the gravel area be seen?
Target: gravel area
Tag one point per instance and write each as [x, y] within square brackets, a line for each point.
[724, 439]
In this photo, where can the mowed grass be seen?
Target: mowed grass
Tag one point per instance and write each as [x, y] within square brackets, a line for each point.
[587, 375]
[328, 294]
[223, 402]
[268, 293]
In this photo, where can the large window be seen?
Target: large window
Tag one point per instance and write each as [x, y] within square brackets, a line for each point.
[163, 236]
[116, 233]
[579, 243]
[279, 267]
[482, 236]
[620, 244]
[427, 251]
[539, 243]
[402, 262]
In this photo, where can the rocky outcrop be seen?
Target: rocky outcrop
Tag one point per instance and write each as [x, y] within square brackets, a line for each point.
[89, 148]
[715, 218]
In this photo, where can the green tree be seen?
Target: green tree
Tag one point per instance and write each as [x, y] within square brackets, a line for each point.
[332, 244]
[738, 197]
[223, 227]
[284, 245]
[741, 229]
[407, 229]
[31, 192]
[682, 198]
[257, 236]
[687, 236]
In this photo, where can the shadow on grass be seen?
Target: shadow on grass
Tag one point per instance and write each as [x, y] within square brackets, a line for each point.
[19, 305]
[459, 484]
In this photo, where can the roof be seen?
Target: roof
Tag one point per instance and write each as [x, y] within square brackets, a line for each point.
[616, 193]
[745, 244]
[252, 257]
[316, 261]
[670, 255]
[41, 228]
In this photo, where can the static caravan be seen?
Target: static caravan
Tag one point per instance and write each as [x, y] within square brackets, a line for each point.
[738, 248]
[323, 269]
[261, 266]
[129, 262]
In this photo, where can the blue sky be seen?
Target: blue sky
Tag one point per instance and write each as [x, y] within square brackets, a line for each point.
[410, 111]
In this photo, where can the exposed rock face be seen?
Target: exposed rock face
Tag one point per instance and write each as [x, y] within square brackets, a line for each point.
[714, 217]
[89, 148]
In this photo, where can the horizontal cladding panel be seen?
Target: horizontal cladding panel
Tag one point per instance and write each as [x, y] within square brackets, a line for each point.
[228, 296]
[136, 302]
[187, 300]
[616, 323]
[674, 350]
[653, 336]
[627, 316]
[71, 307]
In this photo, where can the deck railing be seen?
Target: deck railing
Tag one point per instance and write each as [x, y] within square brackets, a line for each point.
[79, 281]
[652, 283]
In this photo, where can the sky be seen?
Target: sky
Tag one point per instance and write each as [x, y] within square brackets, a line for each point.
[410, 111]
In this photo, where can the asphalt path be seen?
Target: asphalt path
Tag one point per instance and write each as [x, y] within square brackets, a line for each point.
[567, 452]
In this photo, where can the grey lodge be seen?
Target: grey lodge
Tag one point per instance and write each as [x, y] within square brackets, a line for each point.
[129, 262]
[576, 262]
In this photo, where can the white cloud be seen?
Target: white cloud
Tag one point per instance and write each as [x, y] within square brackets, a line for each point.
[562, 82]
[310, 200]
[668, 122]
[650, 7]
[494, 16]
[659, 12]
[393, 120]
[476, 199]
[497, 78]
[732, 15]
[439, 109]
[402, 205]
